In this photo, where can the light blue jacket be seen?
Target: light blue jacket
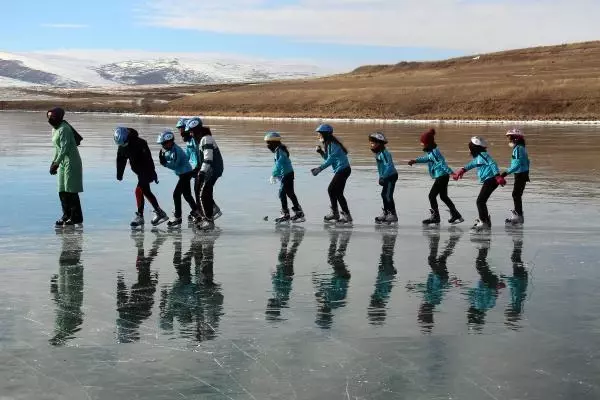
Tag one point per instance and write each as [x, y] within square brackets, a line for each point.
[520, 160]
[436, 163]
[385, 164]
[335, 156]
[177, 160]
[486, 166]
[191, 149]
[283, 164]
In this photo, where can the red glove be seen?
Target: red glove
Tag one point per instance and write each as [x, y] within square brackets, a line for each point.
[500, 180]
[459, 174]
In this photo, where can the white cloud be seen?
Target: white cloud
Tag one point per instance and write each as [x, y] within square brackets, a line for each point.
[467, 25]
[65, 26]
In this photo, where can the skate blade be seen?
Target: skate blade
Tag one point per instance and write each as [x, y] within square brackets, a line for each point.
[299, 220]
[160, 221]
[431, 226]
[458, 221]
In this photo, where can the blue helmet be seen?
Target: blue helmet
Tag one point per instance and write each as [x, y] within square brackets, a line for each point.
[165, 137]
[193, 123]
[324, 128]
[181, 123]
[273, 137]
[121, 135]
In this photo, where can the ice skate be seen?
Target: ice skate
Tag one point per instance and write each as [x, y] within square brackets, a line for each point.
[158, 217]
[332, 217]
[298, 216]
[382, 218]
[284, 218]
[434, 219]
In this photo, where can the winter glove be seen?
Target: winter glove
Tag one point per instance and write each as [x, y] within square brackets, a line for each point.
[458, 175]
[504, 174]
[500, 180]
[381, 182]
[411, 162]
[162, 159]
[316, 171]
[319, 150]
[53, 168]
[274, 179]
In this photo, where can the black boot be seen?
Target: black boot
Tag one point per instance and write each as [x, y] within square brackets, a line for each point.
[455, 217]
[434, 219]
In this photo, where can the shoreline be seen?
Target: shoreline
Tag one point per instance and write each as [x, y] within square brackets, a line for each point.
[383, 121]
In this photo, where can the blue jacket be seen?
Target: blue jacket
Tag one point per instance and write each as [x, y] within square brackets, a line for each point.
[385, 164]
[177, 160]
[191, 149]
[335, 156]
[436, 163]
[283, 164]
[520, 160]
[486, 166]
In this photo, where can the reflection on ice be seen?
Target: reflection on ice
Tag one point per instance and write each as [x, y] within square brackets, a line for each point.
[386, 273]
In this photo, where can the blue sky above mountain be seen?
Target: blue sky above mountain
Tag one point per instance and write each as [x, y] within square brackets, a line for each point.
[326, 32]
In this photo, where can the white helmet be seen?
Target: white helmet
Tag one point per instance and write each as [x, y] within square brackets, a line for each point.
[515, 132]
[479, 141]
[378, 136]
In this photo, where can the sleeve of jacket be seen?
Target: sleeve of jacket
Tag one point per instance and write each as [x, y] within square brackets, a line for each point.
[388, 164]
[207, 145]
[333, 153]
[277, 166]
[517, 160]
[476, 162]
[63, 144]
[121, 162]
[423, 159]
[173, 160]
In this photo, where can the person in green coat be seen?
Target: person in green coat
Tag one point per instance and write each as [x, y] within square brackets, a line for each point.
[66, 164]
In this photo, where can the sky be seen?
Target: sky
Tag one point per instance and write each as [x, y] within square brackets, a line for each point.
[324, 32]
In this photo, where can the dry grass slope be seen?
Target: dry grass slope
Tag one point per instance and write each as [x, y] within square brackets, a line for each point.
[556, 82]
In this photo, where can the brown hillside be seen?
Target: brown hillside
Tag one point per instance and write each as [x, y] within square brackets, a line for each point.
[556, 82]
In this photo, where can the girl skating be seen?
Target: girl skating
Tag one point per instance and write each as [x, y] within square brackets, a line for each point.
[284, 172]
[174, 158]
[519, 166]
[388, 176]
[440, 171]
[489, 176]
[134, 149]
[336, 156]
[210, 170]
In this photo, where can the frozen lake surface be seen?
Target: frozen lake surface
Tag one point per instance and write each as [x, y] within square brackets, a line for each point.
[255, 312]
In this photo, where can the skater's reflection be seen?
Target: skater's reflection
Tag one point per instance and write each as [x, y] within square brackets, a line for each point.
[134, 305]
[67, 289]
[384, 282]
[517, 283]
[483, 296]
[194, 301]
[283, 276]
[438, 279]
[331, 289]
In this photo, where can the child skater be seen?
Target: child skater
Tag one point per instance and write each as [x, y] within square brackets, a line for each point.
[135, 149]
[173, 157]
[210, 169]
[335, 155]
[440, 171]
[284, 172]
[388, 176]
[191, 150]
[519, 166]
[489, 176]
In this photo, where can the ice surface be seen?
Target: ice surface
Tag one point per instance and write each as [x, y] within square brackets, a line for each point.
[255, 312]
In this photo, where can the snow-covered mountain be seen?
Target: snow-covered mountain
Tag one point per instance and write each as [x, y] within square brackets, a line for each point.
[77, 69]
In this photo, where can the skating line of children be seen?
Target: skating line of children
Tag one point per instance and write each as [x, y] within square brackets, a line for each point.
[202, 161]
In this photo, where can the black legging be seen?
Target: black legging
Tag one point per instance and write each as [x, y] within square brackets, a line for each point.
[71, 207]
[207, 202]
[387, 193]
[487, 189]
[286, 189]
[143, 190]
[183, 188]
[517, 194]
[336, 190]
[440, 188]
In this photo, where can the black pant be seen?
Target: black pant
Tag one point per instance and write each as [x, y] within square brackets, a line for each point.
[487, 189]
[71, 207]
[440, 188]
[517, 194]
[336, 190]
[387, 193]
[198, 183]
[183, 188]
[286, 189]
[143, 190]
[207, 202]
